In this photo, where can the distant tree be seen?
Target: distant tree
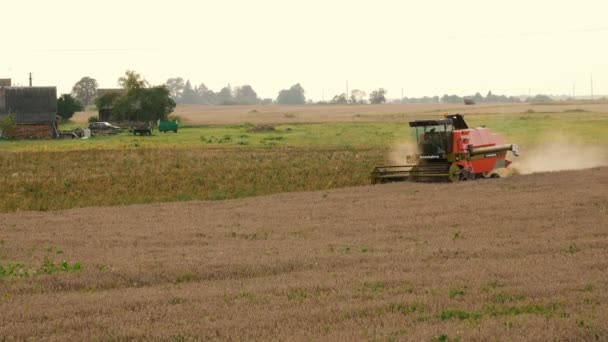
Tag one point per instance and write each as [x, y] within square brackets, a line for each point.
[132, 80]
[539, 98]
[188, 96]
[176, 87]
[224, 97]
[245, 95]
[357, 96]
[377, 96]
[67, 105]
[451, 99]
[478, 98]
[85, 90]
[492, 98]
[204, 95]
[293, 95]
[340, 99]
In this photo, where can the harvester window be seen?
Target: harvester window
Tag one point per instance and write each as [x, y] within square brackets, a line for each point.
[433, 139]
[420, 132]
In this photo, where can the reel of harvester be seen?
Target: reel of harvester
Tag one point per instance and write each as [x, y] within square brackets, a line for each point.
[436, 172]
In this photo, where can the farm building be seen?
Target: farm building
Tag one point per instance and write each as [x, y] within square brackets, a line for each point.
[34, 108]
[105, 111]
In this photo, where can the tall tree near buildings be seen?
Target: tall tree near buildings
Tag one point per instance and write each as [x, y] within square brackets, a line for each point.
[140, 102]
[132, 80]
[85, 90]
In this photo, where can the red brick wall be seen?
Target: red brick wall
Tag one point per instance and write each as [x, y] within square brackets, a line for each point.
[40, 131]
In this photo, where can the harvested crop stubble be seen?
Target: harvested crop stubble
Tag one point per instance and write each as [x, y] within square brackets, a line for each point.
[523, 258]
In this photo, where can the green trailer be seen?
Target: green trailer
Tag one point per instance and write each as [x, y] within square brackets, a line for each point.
[165, 126]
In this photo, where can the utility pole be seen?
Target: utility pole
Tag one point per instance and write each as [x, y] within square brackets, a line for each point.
[591, 87]
[401, 95]
[30, 79]
[573, 94]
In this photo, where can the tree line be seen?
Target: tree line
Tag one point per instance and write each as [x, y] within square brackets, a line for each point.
[183, 92]
[136, 100]
[477, 98]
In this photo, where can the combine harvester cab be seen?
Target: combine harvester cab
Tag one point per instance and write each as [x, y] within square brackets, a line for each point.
[449, 151]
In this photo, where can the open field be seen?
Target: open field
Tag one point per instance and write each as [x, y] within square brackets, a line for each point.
[526, 129]
[234, 115]
[522, 258]
[230, 161]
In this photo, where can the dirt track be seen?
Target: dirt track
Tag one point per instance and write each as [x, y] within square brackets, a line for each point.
[510, 259]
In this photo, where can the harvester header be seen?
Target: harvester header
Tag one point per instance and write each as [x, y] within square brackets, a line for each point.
[448, 150]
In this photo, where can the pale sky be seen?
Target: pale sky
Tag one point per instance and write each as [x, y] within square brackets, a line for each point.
[425, 47]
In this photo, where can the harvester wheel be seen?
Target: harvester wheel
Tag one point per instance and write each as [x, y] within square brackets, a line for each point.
[454, 173]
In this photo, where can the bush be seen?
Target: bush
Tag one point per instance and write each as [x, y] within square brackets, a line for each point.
[7, 124]
[93, 119]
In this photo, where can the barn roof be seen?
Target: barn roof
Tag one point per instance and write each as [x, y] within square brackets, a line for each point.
[29, 104]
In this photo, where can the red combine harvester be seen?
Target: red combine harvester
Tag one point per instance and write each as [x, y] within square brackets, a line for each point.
[448, 150]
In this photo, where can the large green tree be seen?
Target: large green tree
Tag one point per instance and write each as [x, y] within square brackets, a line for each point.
[67, 105]
[85, 90]
[139, 102]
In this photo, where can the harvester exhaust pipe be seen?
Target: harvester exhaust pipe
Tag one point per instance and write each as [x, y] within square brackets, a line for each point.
[474, 151]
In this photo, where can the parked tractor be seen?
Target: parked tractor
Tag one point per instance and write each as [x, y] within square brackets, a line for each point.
[141, 128]
[449, 151]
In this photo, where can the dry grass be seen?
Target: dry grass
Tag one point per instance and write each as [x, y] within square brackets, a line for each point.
[524, 258]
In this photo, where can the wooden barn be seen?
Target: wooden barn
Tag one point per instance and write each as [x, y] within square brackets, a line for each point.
[34, 108]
